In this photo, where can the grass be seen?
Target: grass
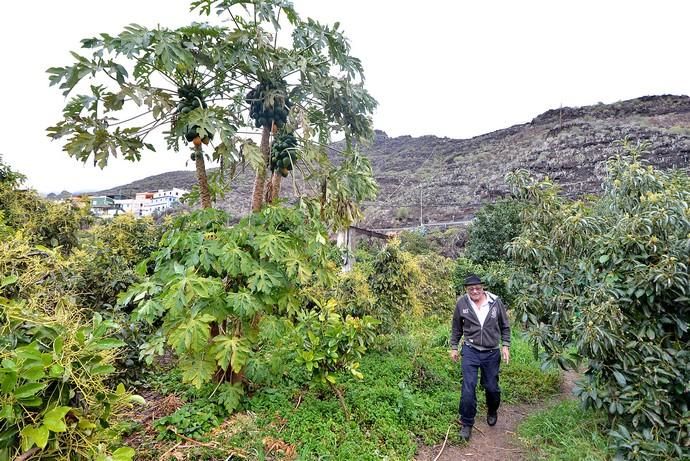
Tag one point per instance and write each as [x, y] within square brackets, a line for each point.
[565, 432]
[409, 395]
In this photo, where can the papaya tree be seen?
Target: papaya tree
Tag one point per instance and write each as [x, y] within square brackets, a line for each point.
[226, 298]
[238, 304]
[210, 85]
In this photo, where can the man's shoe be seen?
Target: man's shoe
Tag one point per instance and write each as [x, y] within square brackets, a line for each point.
[491, 419]
[466, 433]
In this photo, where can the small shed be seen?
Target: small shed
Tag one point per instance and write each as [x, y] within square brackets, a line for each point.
[346, 240]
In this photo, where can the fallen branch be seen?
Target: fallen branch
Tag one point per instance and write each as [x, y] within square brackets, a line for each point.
[444, 444]
[170, 450]
[190, 440]
[27, 454]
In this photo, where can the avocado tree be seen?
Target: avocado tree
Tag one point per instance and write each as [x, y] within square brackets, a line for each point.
[607, 280]
[57, 393]
[211, 85]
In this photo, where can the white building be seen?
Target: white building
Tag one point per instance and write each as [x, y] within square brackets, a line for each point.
[164, 199]
[149, 203]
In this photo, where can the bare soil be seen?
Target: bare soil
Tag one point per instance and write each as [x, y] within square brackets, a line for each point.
[497, 443]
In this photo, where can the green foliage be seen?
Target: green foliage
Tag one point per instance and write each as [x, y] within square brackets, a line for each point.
[565, 432]
[495, 275]
[54, 362]
[196, 419]
[494, 225]
[10, 179]
[326, 343]
[392, 280]
[353, 295]
[105, 264]
[416, 243]
[435, 291]
[408, 396]
[201, 74]
[43, 222]
[609, 280]
[230, 301]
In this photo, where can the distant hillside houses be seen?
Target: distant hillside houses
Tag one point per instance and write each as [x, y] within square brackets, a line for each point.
[143, 204]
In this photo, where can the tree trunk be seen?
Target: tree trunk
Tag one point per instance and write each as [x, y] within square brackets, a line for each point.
[341, 399]
[260, 179]
[268, 191]
[277, 178]
[324, 190]
[273, 188]
[202, 178]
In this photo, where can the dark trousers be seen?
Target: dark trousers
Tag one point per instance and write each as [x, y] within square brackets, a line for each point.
[472, 361]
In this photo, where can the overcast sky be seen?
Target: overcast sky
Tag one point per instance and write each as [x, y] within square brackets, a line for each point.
[437, 67]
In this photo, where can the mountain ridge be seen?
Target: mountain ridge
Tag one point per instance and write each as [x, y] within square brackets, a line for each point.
[454, 177]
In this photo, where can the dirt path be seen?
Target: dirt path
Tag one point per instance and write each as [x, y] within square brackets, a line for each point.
[497, 443]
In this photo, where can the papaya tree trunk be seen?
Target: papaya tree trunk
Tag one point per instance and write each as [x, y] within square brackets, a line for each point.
[268, 192]
[275, 186]
[202, 178]
[260, 179]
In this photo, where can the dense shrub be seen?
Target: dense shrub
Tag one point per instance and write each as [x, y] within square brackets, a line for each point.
[494, 225]
[417, 243]
[434, 290]
[244, 302]
[448, 242]
[56, 357]
[105, 264]
[393, 280]
[55, 402]
[44, 223]
[353, 293]
[609, 279]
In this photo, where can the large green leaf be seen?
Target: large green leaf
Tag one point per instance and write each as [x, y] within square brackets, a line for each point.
[55, 419]
[191, 335]
[232, 351]
[197, 370]
[32, 435]
[28, 390]
[123, 454]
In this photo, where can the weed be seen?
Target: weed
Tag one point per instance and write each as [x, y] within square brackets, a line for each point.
[565, 432]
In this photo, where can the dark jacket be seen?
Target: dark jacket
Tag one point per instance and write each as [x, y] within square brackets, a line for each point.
[466, 324]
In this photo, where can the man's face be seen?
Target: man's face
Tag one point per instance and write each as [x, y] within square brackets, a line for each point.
[476, 292]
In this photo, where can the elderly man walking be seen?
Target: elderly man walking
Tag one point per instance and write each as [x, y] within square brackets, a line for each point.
[480, 319]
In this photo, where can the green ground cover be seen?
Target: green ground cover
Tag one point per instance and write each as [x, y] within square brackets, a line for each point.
[565, 432]
[409, 396]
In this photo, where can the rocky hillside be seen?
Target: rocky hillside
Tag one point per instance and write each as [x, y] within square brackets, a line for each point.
[455, 176]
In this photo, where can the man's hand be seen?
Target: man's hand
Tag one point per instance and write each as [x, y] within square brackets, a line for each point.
[454, 355]
[505, 353]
